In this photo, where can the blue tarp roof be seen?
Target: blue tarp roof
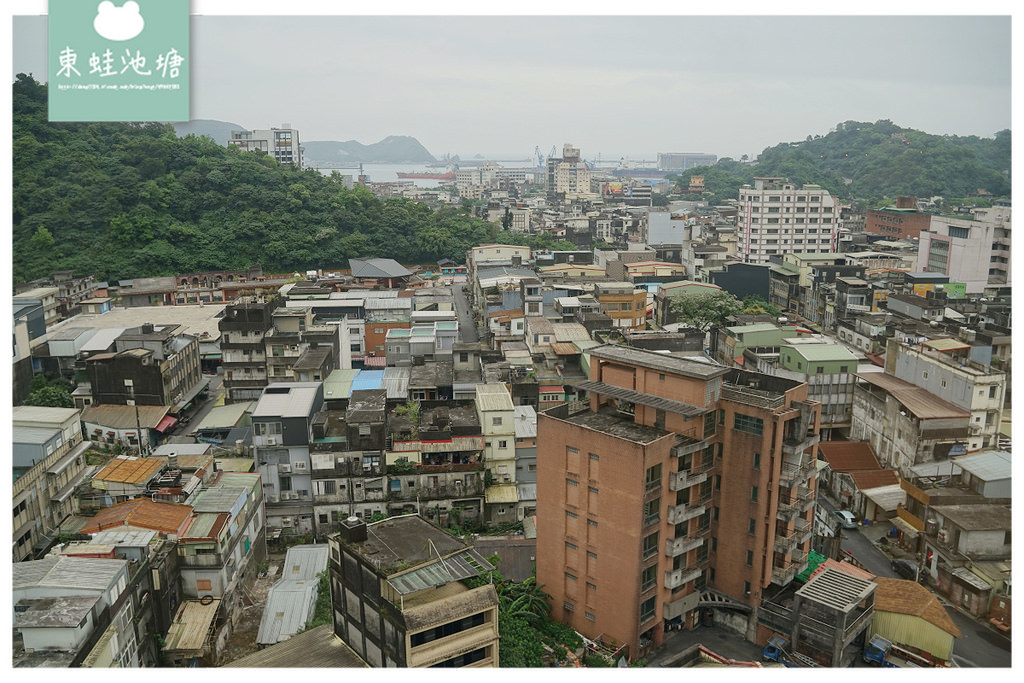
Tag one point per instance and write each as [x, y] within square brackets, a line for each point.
[368, 379]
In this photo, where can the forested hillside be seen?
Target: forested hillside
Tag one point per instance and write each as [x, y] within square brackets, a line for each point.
[869, 162]
[134, 200]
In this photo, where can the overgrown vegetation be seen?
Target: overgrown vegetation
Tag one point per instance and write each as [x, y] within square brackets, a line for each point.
[122, 200]
[871, 163]
[529, 638]
[703, 310]
[322, 611]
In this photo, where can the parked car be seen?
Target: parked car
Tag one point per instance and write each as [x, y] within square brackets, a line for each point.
[846, 518]
[905, 568]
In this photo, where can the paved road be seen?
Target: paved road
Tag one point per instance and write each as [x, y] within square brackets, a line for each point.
[467, 325]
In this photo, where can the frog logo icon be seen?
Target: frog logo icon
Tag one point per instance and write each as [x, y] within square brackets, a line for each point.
[118, 23]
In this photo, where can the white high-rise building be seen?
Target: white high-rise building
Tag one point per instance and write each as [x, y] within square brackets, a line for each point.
[281, 143]
[776, 217]
[974, 250]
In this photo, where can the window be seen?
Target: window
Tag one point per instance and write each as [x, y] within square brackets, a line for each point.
[757, 461]
[709, 424]
[751, 525]
[650, 545]
[746, 588]
[753, 494]
[653, 478]
[570, 482]
[648, 578]
[647, 610]
[594, 456]
[570, 514]
[503, 444]
[750, 558]
[748, 424]
[570, 576]
[569, 607]
[496, 421]
[592, 522]
[589, 616]
[591, 586]
[570, 546]
[591, 554]
[651, 509]
[714, 544]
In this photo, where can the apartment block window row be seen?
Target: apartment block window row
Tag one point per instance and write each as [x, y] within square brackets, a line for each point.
[748, 424]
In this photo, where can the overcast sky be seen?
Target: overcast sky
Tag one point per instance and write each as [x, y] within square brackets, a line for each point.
[612, 85]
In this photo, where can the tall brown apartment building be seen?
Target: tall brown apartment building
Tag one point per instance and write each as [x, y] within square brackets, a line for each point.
[681, 486]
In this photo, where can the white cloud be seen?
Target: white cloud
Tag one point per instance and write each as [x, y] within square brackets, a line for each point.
[118, 23]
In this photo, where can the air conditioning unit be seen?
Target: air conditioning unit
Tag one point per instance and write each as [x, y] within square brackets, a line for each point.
[284, 468]
[943, 536]
[271, 440]
[286, 521]
[272, 498]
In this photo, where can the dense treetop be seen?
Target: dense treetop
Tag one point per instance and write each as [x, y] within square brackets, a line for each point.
[868, 162]
[121, 200]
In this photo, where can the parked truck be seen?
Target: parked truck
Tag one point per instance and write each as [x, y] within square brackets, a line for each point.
[883, 652]
[775, 651]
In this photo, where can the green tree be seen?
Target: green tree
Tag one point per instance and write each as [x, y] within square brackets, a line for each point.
[704, 310]
[50, 396]
[753, 304]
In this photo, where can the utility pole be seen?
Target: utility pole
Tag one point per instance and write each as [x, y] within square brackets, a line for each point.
[138, 424]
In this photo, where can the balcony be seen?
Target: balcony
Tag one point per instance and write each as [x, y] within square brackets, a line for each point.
[674, 578]
[793, 473]
[795, 447]
[804, 530]
[786, 512]
[677, 514]
[783, 544]
[675, 547]
[679, 481]
[686, 445]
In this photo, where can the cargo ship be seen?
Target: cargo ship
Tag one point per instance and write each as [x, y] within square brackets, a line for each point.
[427, 175]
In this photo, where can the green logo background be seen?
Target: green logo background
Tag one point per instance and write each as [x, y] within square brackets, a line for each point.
[145, 78]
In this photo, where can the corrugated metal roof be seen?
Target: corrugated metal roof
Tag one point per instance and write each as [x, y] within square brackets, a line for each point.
[988, 466]
[204, 525]
[396, 382]
[27, 416]
[316, 648]
[227, 415]
[457, 567]
[287, 399]
[909, 597]
[525, 422]
[126, 469]
[823, 352]
[190, 630]
[124, 537]
[67, 573]
[368, 379]
[220, 498]
[125, 417]
[339, 384]
[924, 404]
[493, 397]
[304, 562]
[140, 512]
[886, 497]
[289, 606]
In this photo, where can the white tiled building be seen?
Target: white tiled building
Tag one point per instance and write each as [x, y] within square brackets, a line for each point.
[777, 217]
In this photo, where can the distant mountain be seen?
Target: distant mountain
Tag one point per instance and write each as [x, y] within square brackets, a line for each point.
[392, 149]
[220, 131]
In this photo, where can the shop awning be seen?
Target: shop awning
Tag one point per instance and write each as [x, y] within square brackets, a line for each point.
[166, 423]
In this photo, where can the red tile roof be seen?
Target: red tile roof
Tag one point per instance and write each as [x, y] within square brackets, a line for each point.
[143, 513]
[848, 456]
